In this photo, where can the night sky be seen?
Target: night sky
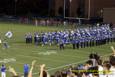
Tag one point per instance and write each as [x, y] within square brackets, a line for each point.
[24, 7]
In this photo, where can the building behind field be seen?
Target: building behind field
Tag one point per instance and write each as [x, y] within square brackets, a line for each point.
[109, 15]
[82, 8]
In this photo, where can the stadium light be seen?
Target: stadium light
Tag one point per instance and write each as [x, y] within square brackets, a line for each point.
[70, 1]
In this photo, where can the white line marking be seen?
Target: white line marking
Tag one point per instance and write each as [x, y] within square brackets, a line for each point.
[41, 58]
[69, 64]
[66, 64]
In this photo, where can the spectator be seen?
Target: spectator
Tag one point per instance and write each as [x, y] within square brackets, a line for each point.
[31, 69]
[71, 74]
[112, 68]
[5, 44]
[26, 70]
[106, 68]
[43, 72]
[11, 70]
[3, 71]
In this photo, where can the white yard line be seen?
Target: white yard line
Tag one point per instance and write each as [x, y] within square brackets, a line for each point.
[68, 65]
[48, 59]
[56, 54]
[63, 66]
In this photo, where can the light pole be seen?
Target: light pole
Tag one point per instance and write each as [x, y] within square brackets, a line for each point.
[89, 8]
[64, 9]
[49, 7]
[70, 7]
[15, 7]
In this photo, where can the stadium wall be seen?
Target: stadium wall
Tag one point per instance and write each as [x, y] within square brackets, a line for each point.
[96, 7]
[109, 15]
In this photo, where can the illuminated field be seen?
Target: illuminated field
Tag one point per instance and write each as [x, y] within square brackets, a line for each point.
[20, 53]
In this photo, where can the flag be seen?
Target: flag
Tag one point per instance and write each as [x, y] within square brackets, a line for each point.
[9, 34]
[0, 41]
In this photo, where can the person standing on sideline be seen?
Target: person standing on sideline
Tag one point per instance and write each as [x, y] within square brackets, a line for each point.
[61, 44]
[26, 70]
[5, 44]
[3, 71]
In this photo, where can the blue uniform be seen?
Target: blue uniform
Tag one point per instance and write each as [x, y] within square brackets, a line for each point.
[3, 68]
[3, 71]
[26, 70]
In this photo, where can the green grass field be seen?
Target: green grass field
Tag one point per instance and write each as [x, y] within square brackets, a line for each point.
[20, 53]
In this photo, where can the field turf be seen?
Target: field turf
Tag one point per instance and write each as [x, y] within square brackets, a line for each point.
[20, 53]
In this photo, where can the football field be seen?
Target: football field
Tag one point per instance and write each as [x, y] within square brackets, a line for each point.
[20, 53]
